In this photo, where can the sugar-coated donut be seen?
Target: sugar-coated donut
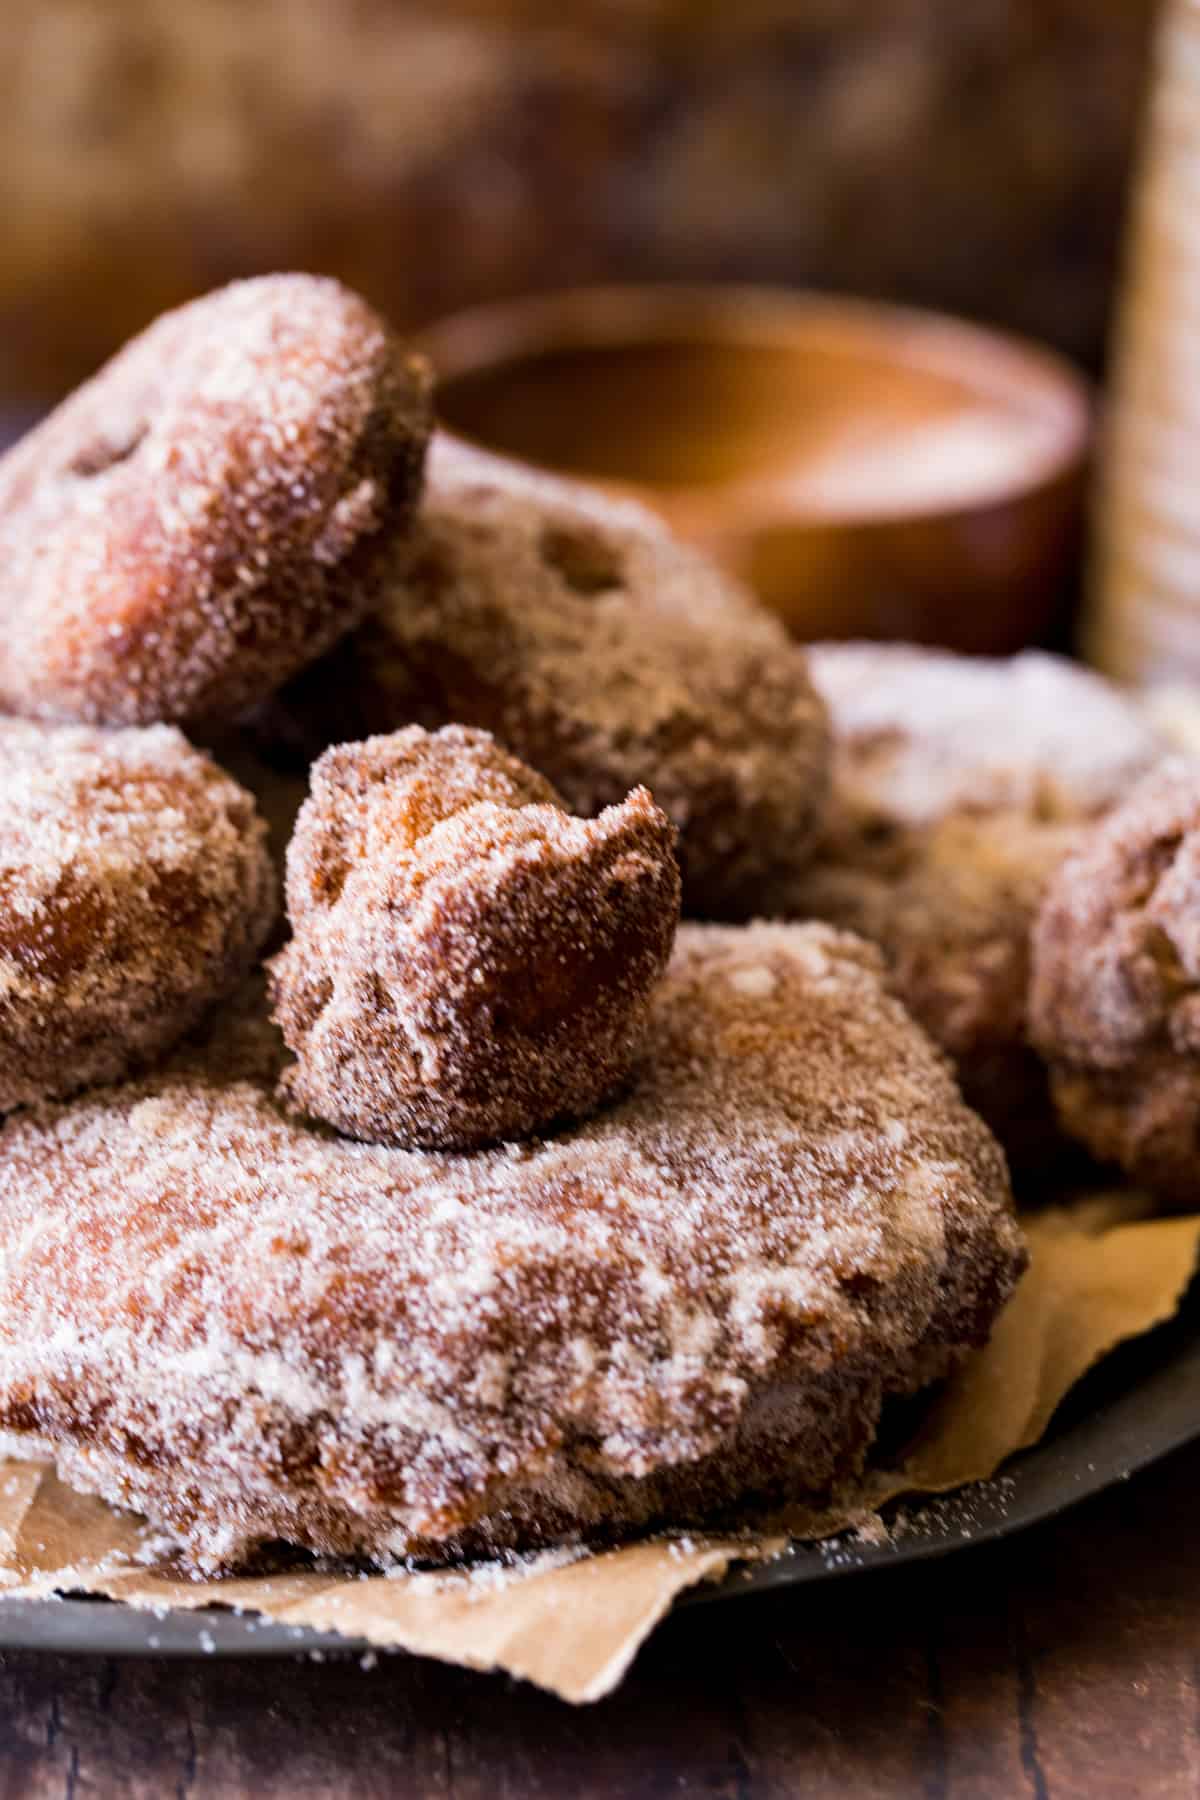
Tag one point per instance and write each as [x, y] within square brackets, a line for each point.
[604, 654]
[921, 734]
[469, 962]
[1115, 995]
[252, 1330]
[959, 785]
[207, 514]
[952, 905]
[137, 890]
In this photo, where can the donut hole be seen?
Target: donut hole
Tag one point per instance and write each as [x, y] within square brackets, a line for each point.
[863, 1289]
[103, 454]
[584, 558]
[879, 833]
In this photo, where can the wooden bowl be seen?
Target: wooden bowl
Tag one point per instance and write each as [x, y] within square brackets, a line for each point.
[871, 470]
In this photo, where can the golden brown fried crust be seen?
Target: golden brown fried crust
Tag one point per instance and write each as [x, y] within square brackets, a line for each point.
[207, 514]
[136, 889]
[1115, 995]
[253, 1330]
[469, 962]
[605, 655]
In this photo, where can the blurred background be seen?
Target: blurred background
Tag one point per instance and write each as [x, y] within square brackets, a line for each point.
[969, 154]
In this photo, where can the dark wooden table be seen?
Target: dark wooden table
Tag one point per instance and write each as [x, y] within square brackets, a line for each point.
[1063, 1663]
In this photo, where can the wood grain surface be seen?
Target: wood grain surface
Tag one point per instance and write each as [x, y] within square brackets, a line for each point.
[1063, 1663]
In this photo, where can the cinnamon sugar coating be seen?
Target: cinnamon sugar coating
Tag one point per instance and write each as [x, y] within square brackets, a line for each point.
[137, 890]
[253, 1331]
[952, 906]
[208, 513]
[469, 961]
[920, 734]
[1115, 996]
[603, 653]
[959, 786]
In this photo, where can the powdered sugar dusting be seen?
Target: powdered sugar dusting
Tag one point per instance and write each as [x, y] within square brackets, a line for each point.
[757, 983]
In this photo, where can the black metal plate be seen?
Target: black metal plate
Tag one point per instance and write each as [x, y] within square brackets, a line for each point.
[1142, 1403]
[1138, 1406]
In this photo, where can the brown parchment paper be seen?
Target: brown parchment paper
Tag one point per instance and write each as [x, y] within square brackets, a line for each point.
[1100, 1273]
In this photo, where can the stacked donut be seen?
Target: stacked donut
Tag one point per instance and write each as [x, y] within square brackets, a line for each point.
[501, 1208]
[208, 514]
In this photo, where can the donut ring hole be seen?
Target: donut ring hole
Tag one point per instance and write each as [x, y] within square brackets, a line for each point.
[585, 559]
[103, 454]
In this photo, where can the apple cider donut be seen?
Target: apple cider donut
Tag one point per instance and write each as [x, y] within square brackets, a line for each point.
[604, 654]
[695, 1301]
[207, 514]
[921, 735]
[1115, 995]
[952, 905]
[959, 785]
[469, 961]
[137, 890]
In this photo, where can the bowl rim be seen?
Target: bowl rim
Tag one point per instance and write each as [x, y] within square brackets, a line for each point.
[998, 364]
